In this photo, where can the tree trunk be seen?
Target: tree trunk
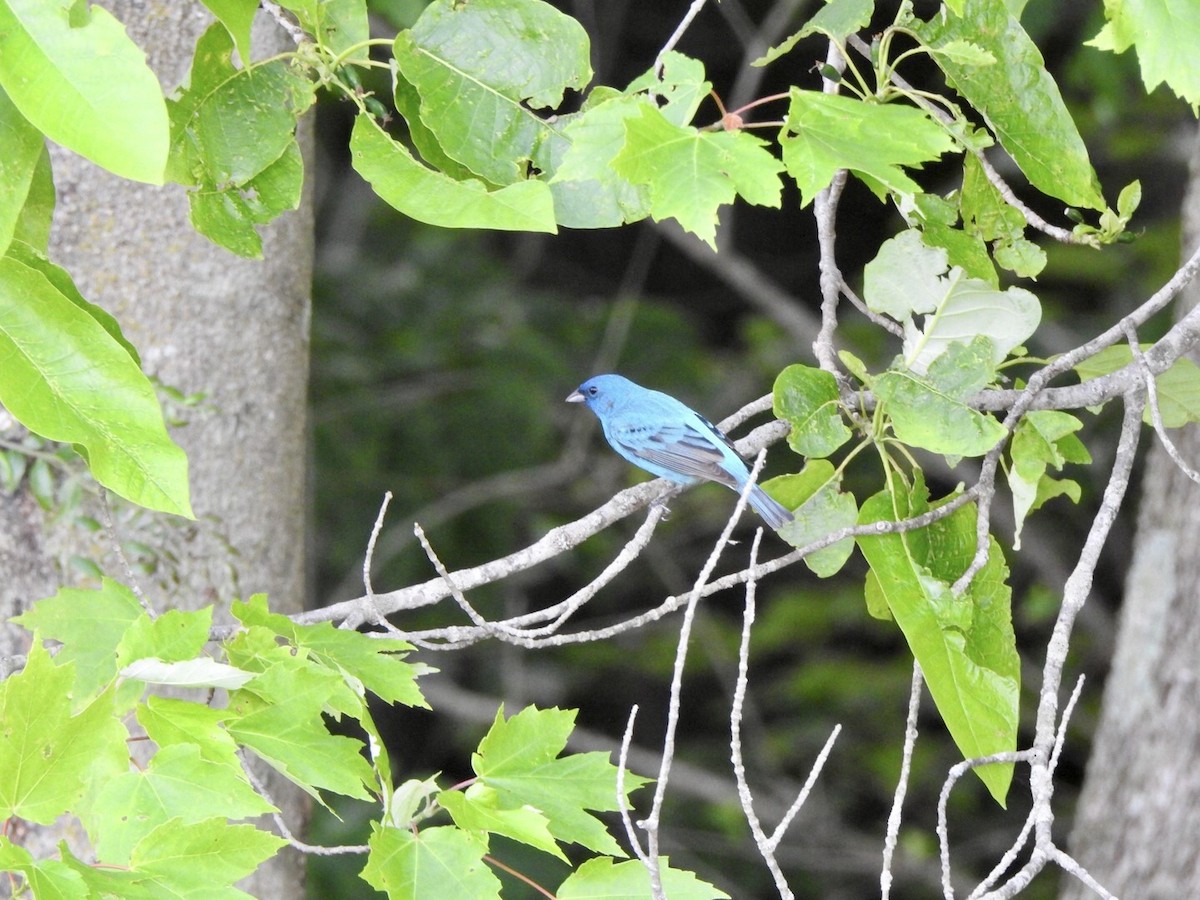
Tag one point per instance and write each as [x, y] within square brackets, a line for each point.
[1137, 828]
[206, 321]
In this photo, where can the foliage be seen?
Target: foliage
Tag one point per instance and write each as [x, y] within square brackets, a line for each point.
[527, 147]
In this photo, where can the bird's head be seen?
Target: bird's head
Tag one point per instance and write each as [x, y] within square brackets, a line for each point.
[600, 392]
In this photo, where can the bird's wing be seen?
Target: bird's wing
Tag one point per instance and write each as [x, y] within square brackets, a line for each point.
[692, 448]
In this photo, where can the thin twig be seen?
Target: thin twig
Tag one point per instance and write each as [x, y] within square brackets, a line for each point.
[894, 816]
[110, 528]
[652, 822]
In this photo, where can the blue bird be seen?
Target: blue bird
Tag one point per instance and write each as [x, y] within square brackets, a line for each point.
[663, 436]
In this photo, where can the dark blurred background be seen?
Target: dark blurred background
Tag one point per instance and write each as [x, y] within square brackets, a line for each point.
[440, 362]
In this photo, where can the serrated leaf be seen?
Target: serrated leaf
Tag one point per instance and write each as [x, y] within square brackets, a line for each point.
[820, 508]
[378, 663]
[837, 19]
[588, 192]
[828, 132]
[436, 199]
[1178, 388]
[691, 173]
[518, 758]
[607, 879]
[480, 809]
[680, 91]
[287, 731]
[169, 722]
[436, 862]
[965, 645]
[1018, 98]
[175, 636]
[84, 84]
[188, 858]
[481, 71]
[65, 378]
[1165, 35]
[808, 400]
[47, 756]
[178, 784]
[48, 879]
[90, 625]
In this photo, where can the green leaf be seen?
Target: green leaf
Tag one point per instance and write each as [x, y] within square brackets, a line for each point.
[680, 91]
[964, 53]
[178, 784]
[928, 411]
[175, 636]
[84, 84]
[1165, 35]
[288, 732]
[965, 645]
[1178, 388]
[606, 879]
[1042, 439]
[30, 256]
[33, 223]
[480, 809]
[47, 756]
[482, 70]
[836, 20]
[237, 16]
[437, 199]
[1018, 98]
[1021, 257]
[336, 24]
[169, 722]
[198, 858]
[230, 124]
[588, 192]
[807, 399]
[65, 378]
[691, 173]
[820, 508]
[436, 862]
[48, 879]
[376, 663]
[90, 625]
[21, 150]
[828, 132]
[233, 141]
[229, 216]
[517, 758]
[908, 278]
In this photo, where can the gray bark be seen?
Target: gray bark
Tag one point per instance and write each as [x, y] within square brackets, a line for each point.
[203, 320]
[1137, 827]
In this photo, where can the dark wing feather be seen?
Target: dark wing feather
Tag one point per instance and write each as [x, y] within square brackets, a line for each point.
[685, 449]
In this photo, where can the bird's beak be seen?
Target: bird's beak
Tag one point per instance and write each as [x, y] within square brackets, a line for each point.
[575, 397]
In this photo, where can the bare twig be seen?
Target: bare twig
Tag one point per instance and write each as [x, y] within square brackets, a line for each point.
[110, 528]
[894, 816]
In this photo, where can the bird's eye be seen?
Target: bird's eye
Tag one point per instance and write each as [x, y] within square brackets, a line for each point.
[593, 390]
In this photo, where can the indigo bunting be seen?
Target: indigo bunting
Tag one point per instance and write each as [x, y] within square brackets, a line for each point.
[658, 433]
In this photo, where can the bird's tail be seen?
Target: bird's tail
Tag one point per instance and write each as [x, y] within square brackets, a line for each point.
[773, 512]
